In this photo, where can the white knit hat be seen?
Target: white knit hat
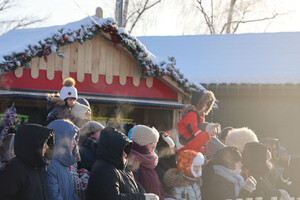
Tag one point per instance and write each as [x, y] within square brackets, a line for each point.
[68, 90]
[143, 135]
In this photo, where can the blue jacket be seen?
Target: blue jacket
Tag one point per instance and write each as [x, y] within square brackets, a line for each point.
[60, 185]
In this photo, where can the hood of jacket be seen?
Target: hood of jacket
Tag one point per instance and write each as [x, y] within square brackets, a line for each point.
[175, 178]
[29, 142]
[254, 159]
[53, 100]
[111, 145]
[64, 134]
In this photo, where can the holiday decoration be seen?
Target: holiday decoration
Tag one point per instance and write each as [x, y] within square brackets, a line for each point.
[151, 65]
[9, 122]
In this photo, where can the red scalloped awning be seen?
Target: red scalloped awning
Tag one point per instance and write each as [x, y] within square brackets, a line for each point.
[158, 91]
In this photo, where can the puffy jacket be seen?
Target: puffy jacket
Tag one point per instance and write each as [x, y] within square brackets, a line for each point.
[60, 185]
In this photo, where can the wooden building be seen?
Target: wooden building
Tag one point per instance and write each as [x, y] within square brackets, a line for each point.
[117, 75]
[255, 77]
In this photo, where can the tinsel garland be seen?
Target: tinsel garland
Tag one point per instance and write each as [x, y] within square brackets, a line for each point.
[118, 36]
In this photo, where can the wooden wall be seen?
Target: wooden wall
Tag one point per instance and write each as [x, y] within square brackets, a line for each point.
[97, 57]
[269, 110]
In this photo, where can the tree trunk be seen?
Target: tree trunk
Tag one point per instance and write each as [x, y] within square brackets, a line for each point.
[125, 12]
[229, 18]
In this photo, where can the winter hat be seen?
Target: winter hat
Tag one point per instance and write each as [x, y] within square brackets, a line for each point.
[68, 90]
[202, 98]
[80, 111]
[90, 127]
[227, 157]
[212, 146]
[185, 162]
[238, 137]
[143, 135]
[83, 101]
[197, 161]
[225, 132]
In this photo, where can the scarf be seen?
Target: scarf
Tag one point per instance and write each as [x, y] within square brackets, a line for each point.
[232, 176]
[149, 161]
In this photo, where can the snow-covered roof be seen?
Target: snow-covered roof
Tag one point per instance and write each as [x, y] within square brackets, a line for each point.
[265, 58]
[18, 47]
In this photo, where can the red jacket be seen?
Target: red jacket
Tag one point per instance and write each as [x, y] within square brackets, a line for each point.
[190, 134]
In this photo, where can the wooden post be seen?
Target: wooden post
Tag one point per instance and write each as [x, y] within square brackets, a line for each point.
[99, 12]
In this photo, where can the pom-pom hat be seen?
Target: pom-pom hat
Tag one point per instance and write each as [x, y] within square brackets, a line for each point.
[68, 90]
[143, 135]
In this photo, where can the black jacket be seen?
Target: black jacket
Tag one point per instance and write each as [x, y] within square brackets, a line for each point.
[220, 188]
[87, 152]
[22, 178]
[110, 179]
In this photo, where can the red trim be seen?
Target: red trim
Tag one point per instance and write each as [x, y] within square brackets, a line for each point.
[158, 90]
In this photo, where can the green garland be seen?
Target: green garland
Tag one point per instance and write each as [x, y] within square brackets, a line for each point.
[118, 36]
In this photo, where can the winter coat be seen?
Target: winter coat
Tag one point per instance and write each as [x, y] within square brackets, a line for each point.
[190, 134]
[219, 188]
[254, 162]
[146, 174]
[110, 179]
[22, 177]
[57, 109]
[183, 187]
[87, 152]
[164, 164]
[60, 185]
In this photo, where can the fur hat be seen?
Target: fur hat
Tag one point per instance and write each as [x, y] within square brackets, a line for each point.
[68, 90]
[185, 162]
[80, 114]
[90, 128]
[143, 135]
[238, 137]
[202, 98]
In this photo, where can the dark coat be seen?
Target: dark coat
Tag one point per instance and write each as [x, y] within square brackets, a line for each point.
[56, 109]
[254, 162]
[110, 179]
[87, 152]
[164, 164]
[220, 188]
[22, 177]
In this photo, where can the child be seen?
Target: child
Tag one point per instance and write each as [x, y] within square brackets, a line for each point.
[142, 152]
[185, 180]
[193, 132]
[65, 106]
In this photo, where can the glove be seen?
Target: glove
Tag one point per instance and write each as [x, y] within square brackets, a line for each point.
[212, 129]
[250, 184]
[284, 195]
[151, 196]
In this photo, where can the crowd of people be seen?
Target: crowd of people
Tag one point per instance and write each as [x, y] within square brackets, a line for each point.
[71, 157]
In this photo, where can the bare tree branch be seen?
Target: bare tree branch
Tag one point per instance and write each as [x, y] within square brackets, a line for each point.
[11, 23]
[143, 10]
[206, 17]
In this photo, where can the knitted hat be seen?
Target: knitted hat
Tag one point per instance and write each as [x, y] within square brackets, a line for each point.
[68, 90]
[143, 135]
[185, 161]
